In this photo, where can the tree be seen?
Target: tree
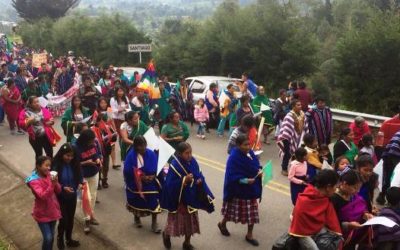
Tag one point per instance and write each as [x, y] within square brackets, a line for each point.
[32, 10]
[261, 39]
[368, 62]
[104, 39]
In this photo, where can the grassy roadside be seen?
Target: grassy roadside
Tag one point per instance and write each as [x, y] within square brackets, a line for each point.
[4, 243]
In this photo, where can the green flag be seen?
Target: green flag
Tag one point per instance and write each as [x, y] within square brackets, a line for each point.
[267, 173]
[9, 44]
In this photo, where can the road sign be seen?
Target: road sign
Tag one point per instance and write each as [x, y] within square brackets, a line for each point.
[139, 47]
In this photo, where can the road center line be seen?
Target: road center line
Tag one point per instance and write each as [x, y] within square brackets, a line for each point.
[267, 186]
[208, 161]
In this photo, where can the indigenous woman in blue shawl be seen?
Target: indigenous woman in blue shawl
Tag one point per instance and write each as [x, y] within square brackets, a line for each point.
[142, 185]
[184, 192]
[242, 188]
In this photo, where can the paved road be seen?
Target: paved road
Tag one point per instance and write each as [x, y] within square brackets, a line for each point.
[117, 222]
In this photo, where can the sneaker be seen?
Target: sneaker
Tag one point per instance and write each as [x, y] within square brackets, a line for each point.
[220, 135]
[86, 227]
[1, 124]
[284, 172]
[198, 136]
[12, 132]
[20, 132]
[203, 137]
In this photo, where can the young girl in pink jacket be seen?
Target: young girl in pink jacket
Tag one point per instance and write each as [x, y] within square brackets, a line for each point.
[201, 116]
[46, 210]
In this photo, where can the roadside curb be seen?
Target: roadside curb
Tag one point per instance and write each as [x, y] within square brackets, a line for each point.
[100, 236]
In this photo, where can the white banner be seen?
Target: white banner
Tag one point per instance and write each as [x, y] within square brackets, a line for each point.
[166, 151]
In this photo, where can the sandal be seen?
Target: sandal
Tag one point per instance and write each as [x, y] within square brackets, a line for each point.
[166, 240]
[224, 230]
[253, 242]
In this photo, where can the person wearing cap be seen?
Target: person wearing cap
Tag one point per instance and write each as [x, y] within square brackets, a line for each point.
[359, 127]
[386, 237]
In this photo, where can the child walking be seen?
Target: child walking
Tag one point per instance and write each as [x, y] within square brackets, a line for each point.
[201, 116]
[298, 174]
[46, 210]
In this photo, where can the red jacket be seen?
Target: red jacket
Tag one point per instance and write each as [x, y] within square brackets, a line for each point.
[389, 128]
[46, 208]
[313, 211]
[359, 132]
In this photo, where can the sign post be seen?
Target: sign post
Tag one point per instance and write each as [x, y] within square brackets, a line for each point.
[139, 48]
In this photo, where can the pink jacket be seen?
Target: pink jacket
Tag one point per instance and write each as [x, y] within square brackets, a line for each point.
[46, 206]
[201, 114]
[297, 169]
[46, 117]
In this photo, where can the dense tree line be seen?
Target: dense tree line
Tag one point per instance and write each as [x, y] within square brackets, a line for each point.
[103, 39]
[346, 50]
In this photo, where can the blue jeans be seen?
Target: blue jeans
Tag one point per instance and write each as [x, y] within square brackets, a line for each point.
[200, 130]
[222, 122]
[47, 230]
[1, 114]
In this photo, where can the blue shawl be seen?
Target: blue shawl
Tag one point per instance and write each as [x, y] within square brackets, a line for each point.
[193, 196]
[240, 166]
[150, 190]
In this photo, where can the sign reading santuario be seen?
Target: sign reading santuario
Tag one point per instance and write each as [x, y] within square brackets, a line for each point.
[139, 47]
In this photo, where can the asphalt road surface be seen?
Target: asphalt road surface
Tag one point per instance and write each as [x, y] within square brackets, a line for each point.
[117, 223]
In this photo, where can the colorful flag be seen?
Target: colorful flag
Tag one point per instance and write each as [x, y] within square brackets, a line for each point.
[86, 200]
[149, 83]
[267, 173]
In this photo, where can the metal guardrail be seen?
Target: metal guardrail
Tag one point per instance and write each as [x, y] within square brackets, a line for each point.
[374, 121]
[348, 116]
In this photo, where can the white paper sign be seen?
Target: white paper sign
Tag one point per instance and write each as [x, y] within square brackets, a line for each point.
[380, 220]
[165, 152]
[43, 102]
[86, 119]
[153, 142]
[325, 165]
[264, 107]
[98, 88]
[378, 169]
